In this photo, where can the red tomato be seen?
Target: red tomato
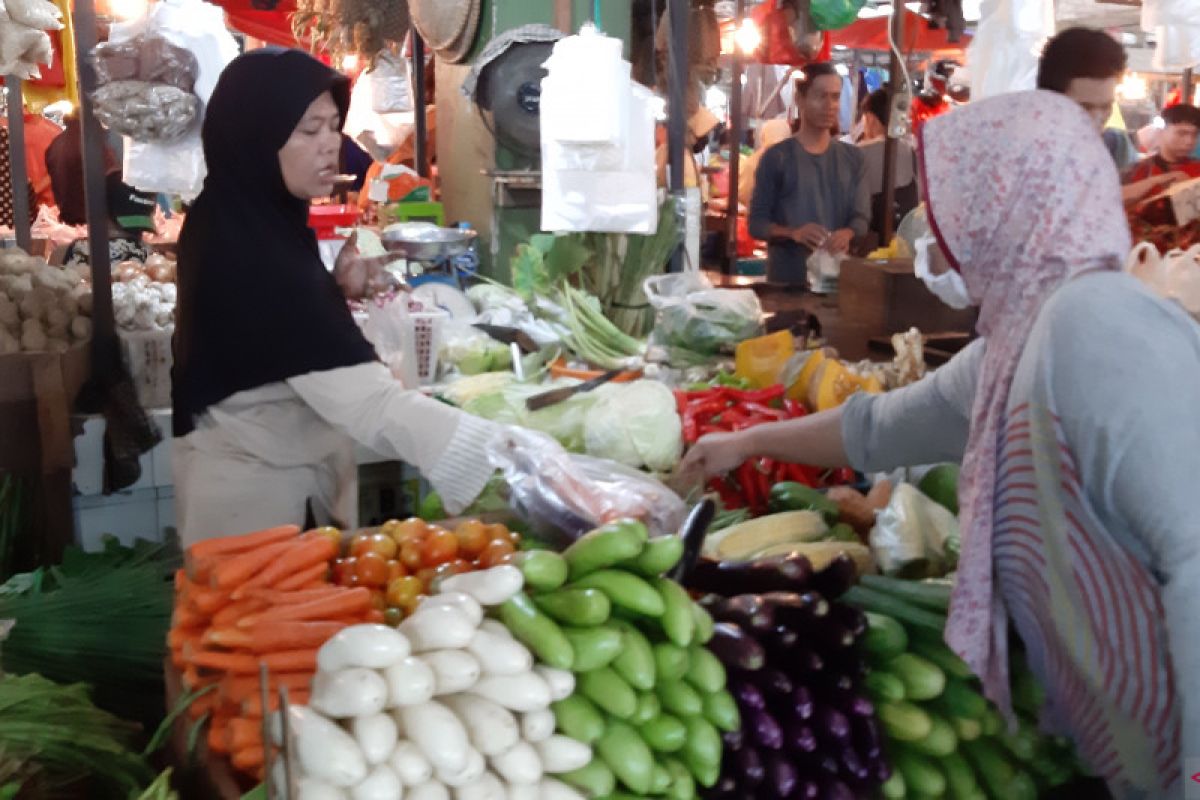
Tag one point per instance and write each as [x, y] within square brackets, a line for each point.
[395, 570]
[440, 547]
[472, 538]
[411, 528]
[343, 571]
[393, 616]
[332, 534]
[497, 552]
[402, 590]
[410, 555]
[371, 569]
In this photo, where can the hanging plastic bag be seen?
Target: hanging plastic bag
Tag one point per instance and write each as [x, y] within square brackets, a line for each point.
[388, 328]
[564, 496]
[694, 316]
[914, 537]
[832, 15]
[391, 90]
[824, 269]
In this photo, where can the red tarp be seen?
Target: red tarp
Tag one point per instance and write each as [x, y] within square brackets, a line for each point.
[273, 27]
[872, 34]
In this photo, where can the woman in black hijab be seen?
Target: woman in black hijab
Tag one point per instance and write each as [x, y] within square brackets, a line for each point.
[273, 380]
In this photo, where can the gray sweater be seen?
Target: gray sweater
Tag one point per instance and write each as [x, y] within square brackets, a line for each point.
[793, 187]
[1123, 368]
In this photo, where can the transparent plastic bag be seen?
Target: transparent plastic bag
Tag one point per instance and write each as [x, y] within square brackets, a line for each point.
[387, 328]
[563, 496]
[391, 92]
[146, 112]
[116, 61]
[692, 315]
[914, 537]
[38, 14]
[163, 62]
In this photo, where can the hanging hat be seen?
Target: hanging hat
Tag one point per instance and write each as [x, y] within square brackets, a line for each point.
[448, 28]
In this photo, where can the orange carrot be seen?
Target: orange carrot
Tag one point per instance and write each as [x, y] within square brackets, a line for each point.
[228, 545]
[186, 617]
[242, 733]
[252, 706]
[374, 615]
[207, 601]
[275, 597]
[229, 638]
[291, 660]
[237, 688]
[316, 575]
[225, 662]
[202, 705]
[180, 579]
[299, 556]
[248, 759]
[269, 637]
[237, 569]
[218, 735]
[177, 636]
[348, 601]
[230, 614]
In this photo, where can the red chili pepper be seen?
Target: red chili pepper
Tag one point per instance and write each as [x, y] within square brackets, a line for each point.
[842, 476]
[781, 473]
[769, 414]
[730, 497]
[733, 417]
[802, 474]
[756, 395]
[747, 477]
[794, 408]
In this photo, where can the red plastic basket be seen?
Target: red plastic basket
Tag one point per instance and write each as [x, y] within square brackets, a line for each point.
[325, 220]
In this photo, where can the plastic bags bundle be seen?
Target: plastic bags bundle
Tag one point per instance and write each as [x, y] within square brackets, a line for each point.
[24, 43]
[146, 112]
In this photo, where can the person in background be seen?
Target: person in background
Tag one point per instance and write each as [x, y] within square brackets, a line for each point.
[876, 114]
[810, 191]
[769, 134]
[64, 165]
[130, 215]
[1074, 419]
[1086, 65]
[39, 134]
[355, 161]
[1175, 145]
[932, 101]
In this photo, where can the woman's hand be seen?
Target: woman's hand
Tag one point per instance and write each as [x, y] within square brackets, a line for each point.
[714, 454]
[359, 276]
[839, 241]
[811, 235]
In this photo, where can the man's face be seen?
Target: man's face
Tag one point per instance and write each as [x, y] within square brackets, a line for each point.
[1096, 96]
[1178, 141]
[819, 108]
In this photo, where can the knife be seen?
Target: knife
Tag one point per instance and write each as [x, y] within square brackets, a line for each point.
[545, 399]
[506, 335]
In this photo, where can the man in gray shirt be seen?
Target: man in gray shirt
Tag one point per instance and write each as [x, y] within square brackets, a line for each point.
[810, 191]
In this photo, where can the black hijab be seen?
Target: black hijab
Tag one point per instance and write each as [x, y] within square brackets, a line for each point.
[256, 305]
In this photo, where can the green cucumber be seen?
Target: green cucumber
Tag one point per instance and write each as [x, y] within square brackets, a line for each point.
[677, 620]
[544, 570]
[705, 671]
[671, 662]
[893, 788]
[883, 685]
[537, 632]
[636, 661]
[704, 624]
[721, 710]
[664, 734]
[680, 699]
[648, 708]
[922, 679]
[624, 590]
[793, 496]
[593, 647]
[579, 718]
[914, 618]
[594, 780]
[683, 785]
[930, 595]
[966, 729]
[582, 607]
[606, 689]
[921, 773]
[904, 721]
[605, 546]
[660, 781]
[885, 637]
[660, 555]
[991, 765]
[702, 752]
[627, 756]
[941, 655]
[960, 779]
[941, 740]
[959, 699]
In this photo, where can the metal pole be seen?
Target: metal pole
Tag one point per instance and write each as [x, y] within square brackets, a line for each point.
[19, 173]
[736, 125]
[105, 351]
[896, 83]
[1185, 93]
[678, 14]
[421, 145]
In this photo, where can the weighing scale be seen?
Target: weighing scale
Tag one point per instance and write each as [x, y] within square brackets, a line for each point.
[437, 263]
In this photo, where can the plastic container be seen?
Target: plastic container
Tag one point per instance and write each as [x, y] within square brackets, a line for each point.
[424, 342]
[148, 354]
[325, 220]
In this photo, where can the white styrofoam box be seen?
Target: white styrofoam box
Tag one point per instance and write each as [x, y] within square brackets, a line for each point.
[149, 356]
[126, 515]
[161, 454]
[89, 460]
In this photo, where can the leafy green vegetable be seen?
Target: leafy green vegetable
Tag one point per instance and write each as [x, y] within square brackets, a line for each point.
[563, 421]
[635, 424]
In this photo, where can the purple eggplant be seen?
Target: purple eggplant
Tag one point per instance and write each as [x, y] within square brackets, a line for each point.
[799, 611]
[734, 740]
[749, 697]
[726, 788]
[837, 578]
[782, 776]
[774, 682]
[808, 790]
[803, 703]
[783, 639]
[801, 739]
[749, 765]
[849, 617]
[829, 765]
[803, 662]
[731, 578]
[881, 769]
[736, 648]
[867, 737]
[854, 768]
[832, 638]
[846, 661]
[748, 611]
[832, 725]
[836, 790]
[765, 731]
[853, 704]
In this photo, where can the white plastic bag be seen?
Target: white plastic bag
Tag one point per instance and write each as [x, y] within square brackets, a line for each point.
[387, 328]
[391, 90]
[691, 314]
[914, 537]
[1003, 56]
[824, 269]
[40, 14]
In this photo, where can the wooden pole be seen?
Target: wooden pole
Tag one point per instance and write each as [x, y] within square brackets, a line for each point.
[1186, 92]
[17, 167]
[896, 83]
[736, 126]
[678, 12]
[421, 134]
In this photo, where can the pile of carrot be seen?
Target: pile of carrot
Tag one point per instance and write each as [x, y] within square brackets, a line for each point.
[241, 601]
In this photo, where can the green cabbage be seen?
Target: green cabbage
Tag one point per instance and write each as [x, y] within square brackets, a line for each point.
[635, 424]
[562, 421]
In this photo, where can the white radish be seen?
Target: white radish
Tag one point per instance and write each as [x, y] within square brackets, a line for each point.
[562, 683]
[409, 682]
[557, 790]
[463, 602]
[491, 587]
[519, 791]
[380, 784]
[372, 646]
[410, 764]
[430, 790]
[561, 754]
[500, 655]
[312, 789]
[324, 751]
[495, 626]
[486, 787]
[537, 726]
[491, 727]
[475, 767]
[453, 670]
[438, 628]
[519, 764]
[436, 730]
[351, 692]
[376, 735]
[525, 692]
